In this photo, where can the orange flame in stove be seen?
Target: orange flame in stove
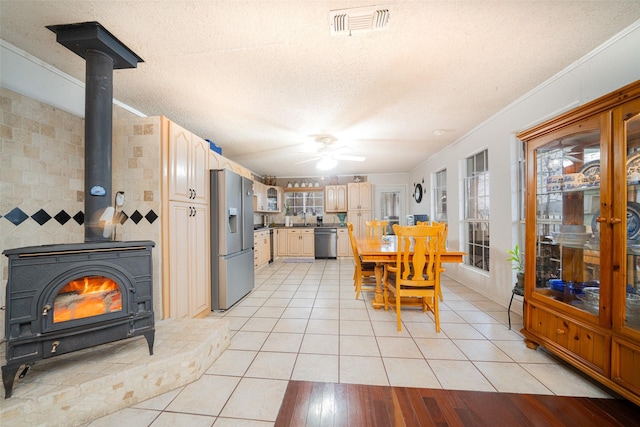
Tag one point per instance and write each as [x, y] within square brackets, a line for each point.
[87, 297]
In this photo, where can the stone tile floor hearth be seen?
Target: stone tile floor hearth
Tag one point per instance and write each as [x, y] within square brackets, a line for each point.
[302, 322]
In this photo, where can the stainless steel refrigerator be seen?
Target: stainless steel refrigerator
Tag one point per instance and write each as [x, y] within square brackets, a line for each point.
[232, 270]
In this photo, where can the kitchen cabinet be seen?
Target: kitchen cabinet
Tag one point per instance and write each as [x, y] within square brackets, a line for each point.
[274, 197]
[296, 242]
[281, 239]
[259, 197]
[359, 196]
[267, 198]
[190, 292]
[261, 248]
[218, 161]
[359, 204]
[582, 280]
[188, 165]
[344, 244]
[186, 286]
[335, 198]
[358, 219]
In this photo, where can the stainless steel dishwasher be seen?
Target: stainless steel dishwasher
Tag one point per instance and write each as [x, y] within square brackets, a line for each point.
[326, 242]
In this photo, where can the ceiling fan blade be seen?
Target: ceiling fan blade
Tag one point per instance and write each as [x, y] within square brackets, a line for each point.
[306, 161]
[350, 158]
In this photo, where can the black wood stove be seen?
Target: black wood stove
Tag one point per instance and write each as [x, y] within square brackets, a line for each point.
[63, 298]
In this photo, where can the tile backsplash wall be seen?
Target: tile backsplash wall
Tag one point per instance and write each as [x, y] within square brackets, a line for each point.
[42, 179]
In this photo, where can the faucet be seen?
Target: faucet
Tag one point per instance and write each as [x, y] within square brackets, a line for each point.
[304, 218]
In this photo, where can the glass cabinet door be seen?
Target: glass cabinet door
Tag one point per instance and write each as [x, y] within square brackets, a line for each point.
[568, 192]
[626, 293]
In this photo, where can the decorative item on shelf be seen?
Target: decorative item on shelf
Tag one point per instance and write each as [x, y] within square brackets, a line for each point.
[289, 185]
[633, 175]
[633, 222]
[633, 169]
[295, 184]
[572, 181]
[333, 180]
[590, 174]
[357, 179]
[555, 183]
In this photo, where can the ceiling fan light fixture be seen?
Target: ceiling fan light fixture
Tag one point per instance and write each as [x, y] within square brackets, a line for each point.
[326, 163]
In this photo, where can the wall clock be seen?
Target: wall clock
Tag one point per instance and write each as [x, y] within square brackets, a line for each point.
[417, 192]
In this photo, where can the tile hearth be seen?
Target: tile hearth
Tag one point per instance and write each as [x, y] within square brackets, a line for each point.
[78, 387]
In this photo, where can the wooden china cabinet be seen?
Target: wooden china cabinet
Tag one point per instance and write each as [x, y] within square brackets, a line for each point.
[582, 278]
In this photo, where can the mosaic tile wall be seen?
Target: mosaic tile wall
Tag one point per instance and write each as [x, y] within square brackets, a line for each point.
[42, 179]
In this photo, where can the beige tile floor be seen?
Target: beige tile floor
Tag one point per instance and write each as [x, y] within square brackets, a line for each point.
[302, 322]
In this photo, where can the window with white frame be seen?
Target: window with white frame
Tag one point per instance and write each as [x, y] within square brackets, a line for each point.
[440, 196]
[476, 217]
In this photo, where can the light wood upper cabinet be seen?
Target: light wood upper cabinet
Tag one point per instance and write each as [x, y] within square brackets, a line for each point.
[274, 197]
[259, 196]
[335, 198]
[359, 197]
[188, 166]
[267, 198]
[218, 161]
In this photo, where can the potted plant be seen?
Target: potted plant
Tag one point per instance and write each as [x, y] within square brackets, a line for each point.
[517, 264]
[287, 213]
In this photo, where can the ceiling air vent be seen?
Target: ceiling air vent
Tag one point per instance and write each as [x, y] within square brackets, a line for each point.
[344, 21]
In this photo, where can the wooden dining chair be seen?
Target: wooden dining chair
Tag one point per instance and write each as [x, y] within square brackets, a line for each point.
[376, 228]
[416, 273]
[443, 242]
[364, 273]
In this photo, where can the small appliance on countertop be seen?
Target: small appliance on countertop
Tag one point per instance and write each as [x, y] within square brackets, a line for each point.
[319, 220]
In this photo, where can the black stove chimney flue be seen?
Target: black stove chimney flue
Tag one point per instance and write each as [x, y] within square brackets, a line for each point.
[98, 112]
[102, 52]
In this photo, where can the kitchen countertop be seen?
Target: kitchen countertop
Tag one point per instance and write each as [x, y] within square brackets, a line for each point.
[276, 226]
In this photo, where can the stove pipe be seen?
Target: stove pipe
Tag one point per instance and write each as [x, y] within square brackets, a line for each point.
[98, 114]
[102, 52]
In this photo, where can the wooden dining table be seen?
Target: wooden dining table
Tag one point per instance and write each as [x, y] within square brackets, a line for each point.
[383, 251]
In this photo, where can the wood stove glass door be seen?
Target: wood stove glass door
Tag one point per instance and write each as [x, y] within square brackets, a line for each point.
[86, 297]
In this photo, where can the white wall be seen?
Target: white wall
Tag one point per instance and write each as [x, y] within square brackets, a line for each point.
[607, 68]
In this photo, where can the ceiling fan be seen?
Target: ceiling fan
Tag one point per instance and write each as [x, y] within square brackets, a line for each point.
[328, 153]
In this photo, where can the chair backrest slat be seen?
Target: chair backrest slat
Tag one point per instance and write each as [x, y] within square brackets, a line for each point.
[376, 228]
[418, 254]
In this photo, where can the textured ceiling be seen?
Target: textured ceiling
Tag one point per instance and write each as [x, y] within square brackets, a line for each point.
[262, 78]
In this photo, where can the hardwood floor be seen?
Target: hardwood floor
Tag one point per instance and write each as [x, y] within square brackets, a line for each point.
[332, 404]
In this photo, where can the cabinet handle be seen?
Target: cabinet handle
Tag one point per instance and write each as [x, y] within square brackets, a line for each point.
[601, 219]
[615, 221]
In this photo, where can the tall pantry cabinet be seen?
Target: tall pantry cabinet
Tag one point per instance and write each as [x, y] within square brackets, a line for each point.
[359, 206]
[582, 278]
[186, 172]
